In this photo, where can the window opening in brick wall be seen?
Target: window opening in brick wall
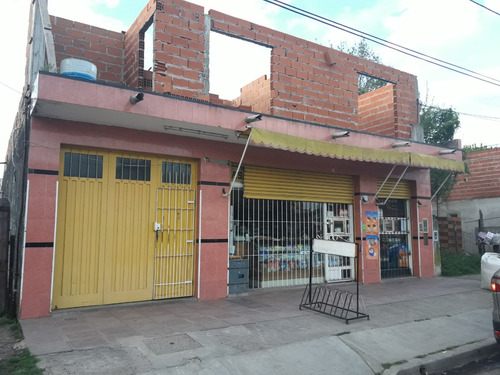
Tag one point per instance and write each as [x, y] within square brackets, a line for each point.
[146, 61]
[234, 63]
[368, 83]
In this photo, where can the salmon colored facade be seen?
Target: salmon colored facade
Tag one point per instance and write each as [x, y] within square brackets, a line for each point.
[311, 94]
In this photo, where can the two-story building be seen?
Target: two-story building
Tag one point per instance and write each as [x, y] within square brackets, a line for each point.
[142, 185]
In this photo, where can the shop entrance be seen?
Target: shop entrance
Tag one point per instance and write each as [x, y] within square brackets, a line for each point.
[395, 250]
[275, 215]
[276, 236]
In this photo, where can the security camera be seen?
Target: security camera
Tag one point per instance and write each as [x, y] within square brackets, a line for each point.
[253, 118]
[134, 99]
[401, 144]
[365, 198]
[341, 134]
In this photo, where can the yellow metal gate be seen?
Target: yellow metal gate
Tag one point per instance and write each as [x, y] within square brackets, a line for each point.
[175, 242]
[125, 228]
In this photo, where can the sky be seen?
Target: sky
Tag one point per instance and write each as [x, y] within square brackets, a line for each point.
[455, 31]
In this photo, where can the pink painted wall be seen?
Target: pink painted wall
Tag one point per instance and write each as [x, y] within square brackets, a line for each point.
[49, 134]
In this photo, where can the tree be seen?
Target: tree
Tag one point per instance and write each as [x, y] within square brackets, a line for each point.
[439, 124]
[363, 50]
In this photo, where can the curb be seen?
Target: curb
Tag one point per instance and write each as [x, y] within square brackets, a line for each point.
[446, 360]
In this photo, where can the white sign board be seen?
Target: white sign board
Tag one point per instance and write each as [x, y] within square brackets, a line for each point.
[343, 249]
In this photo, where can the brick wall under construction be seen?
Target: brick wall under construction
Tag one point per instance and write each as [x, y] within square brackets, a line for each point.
[307, 81]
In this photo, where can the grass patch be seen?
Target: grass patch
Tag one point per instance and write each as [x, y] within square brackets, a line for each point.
[21, 364]
[4, 320]
[453, 264]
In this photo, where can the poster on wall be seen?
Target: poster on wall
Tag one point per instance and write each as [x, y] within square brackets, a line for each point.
[371, 234]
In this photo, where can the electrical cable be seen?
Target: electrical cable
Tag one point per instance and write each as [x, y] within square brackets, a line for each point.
[13, 89]
[485, 7]
[484, 117]
[386, 43]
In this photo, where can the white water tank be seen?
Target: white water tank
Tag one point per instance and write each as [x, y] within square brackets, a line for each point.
[79, 69]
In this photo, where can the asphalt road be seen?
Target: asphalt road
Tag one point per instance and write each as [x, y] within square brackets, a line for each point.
[489, 365]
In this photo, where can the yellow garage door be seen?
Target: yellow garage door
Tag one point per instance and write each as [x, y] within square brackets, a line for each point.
[111, 224]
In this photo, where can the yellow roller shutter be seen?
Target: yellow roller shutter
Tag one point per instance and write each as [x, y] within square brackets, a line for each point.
[268, 183]
[402, 190]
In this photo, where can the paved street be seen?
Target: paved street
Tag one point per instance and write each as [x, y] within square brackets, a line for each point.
[412, 322]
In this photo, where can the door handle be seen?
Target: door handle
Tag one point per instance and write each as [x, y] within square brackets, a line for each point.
[157, 228]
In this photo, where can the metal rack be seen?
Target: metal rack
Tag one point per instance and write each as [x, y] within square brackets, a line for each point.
[340, 304]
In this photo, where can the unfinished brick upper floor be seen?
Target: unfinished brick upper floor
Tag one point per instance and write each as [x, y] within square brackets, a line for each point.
[307, 82]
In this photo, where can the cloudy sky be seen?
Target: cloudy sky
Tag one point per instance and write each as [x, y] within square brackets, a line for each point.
[456, 31]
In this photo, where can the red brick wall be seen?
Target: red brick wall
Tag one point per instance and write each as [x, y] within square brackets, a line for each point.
[483, 180]
[179, 50]
[308, 81]
[257, 95]
[101, 47]
[134, 48]
[314, 83]
[376, 111]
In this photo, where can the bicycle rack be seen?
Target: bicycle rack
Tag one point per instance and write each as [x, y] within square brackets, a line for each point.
[340, 304]
[334, 302]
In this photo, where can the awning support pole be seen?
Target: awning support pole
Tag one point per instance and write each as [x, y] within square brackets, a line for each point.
[395, 185]
[383, 184]
[437, 191]
[239, 166]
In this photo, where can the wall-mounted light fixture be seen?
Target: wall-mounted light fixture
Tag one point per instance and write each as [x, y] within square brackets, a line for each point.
[341, 134]
[134, 99]
[445, 152]
[253, 118]
[195, 132]
[401, 144]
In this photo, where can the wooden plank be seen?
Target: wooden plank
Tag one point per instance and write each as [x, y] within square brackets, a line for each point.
[47, 31]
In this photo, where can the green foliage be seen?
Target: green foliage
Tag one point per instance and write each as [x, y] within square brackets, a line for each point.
[363, 50]
[454, 264]
[4, 320]
[21, 364]
[437, 178]
[474, 147]
[439, 124]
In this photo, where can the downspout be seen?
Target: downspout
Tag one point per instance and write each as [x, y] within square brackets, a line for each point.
[418, 242]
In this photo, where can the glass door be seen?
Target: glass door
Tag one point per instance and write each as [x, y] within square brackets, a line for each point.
[395, 250]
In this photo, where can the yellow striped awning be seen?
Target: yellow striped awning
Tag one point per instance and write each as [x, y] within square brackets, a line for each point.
[293, 143]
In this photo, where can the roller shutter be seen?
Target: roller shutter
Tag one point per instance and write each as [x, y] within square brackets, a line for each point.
[402, 190]
[268, 183]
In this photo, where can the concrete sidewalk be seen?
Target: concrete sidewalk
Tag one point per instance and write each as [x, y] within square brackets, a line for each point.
[413, 322]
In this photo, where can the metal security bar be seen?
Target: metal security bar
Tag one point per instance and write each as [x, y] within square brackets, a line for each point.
[175, 239]
[276, 235]
[395, 251]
